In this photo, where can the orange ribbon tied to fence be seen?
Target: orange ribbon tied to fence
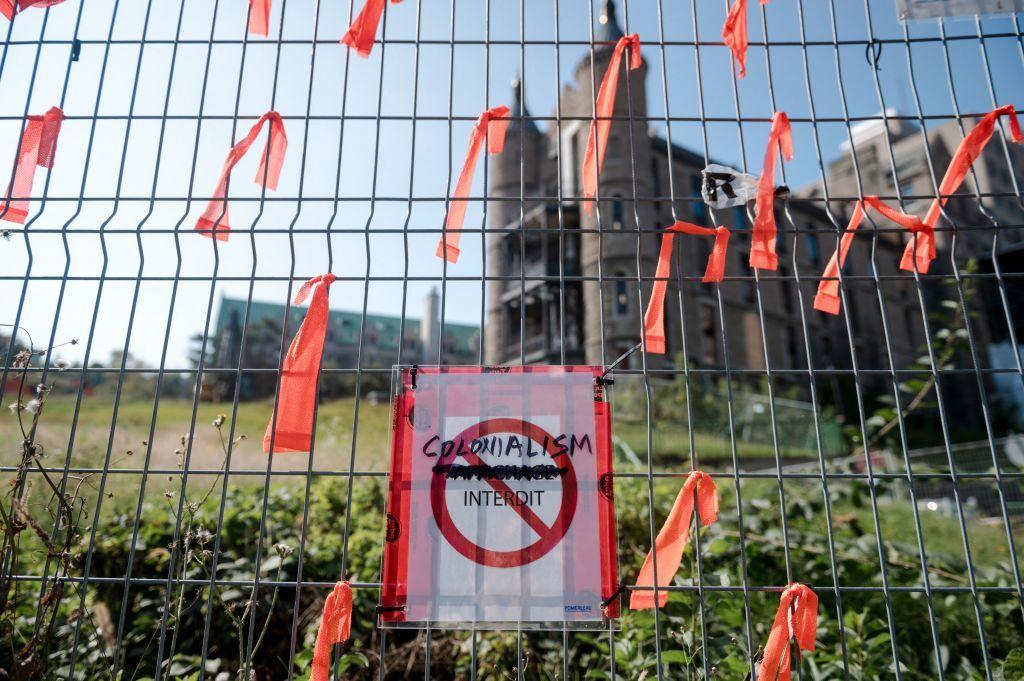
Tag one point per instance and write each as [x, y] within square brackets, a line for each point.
[292, 431]
[214, 220]
[259, 17]
[10, 7]
[762, 241]
[796, 618]
[38, 148]
[671, 541]
[969, 150]
[335, 627]
[491, 125]
[654, 319]
[597, 141]
[361, 34]
[734, 33]
[827, 299]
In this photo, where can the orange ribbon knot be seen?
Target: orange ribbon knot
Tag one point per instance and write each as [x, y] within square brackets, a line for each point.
[796, 618]
[490, 125]
[762, 241]
[38, 148]
[214, 220]
[671, 541]
[292, 431]
[597, 140]
[654, 318]
[335, 627]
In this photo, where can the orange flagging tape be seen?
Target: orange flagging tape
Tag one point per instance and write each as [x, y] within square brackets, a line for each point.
[259, 17]
[920, 250]
[597, 141]
[8, 9]
[296, 397]
[827, 299]
[672, 538]
[38, 148]
[214, 220]
[491, 125]
[654, 319]
[361, 33]
[762, 241]
[796, 618]
[734, 33]
[335, 627]
[969, 150]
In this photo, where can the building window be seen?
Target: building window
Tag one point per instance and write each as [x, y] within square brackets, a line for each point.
[621, 302]
[700, 211]
[708, 337]
[741, 217]
[813, 249]
[617, 212]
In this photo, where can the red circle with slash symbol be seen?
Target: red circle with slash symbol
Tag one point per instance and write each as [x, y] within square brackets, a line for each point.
[549, 536]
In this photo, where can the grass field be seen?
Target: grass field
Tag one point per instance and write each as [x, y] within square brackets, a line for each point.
[128, 450]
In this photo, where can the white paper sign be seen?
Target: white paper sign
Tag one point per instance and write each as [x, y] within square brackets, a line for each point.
[500, 503]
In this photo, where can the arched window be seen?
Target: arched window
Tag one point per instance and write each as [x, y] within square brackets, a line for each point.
[617, 212]
[621, 302]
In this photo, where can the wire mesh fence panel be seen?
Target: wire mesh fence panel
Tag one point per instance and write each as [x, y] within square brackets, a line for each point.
[150, 292]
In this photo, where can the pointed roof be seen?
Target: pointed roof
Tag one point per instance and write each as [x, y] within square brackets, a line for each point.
[609, 30]
[519, 108]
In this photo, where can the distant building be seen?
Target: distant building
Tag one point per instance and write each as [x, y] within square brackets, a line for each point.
[420, 343]
[566, 257]
[895, 157]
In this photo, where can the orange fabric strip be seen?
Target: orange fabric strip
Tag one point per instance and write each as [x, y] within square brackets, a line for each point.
[259, 17]
[214, 220]
[296, 395]
[7, 7]
[762, 241]
[734, 33]
[654, 319]
[335, 627]
[671, 541]
[597, 140]
[922, 248]
[38, 148]
[361, 34]
[490, 125]
[796, 618]
[827, 299]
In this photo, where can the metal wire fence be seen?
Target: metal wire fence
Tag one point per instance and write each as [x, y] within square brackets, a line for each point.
[871, 455]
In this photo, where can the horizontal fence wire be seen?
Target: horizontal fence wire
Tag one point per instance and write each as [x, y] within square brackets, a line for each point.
[872, 455]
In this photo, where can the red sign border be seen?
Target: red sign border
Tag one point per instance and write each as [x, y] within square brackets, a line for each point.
[395, 564]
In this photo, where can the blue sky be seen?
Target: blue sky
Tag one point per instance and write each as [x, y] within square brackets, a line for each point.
[141, 181]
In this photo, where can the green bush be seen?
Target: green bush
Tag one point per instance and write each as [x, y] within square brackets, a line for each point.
[731, 623]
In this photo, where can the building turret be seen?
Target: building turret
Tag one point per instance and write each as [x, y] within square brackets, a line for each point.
[628, 149]
[515, 173]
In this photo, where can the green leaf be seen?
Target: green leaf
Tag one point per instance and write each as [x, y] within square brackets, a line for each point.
[674, 657]
[1013, 665]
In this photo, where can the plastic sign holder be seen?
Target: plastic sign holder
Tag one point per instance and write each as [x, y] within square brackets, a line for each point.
[500, 510]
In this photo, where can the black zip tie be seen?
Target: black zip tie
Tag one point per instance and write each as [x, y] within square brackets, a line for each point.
[389, 608]
[873, 53]
[618, 592]
[601, 380]
[412, 374]
[76, 49]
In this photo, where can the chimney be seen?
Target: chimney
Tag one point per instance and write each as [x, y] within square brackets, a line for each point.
[430, 326]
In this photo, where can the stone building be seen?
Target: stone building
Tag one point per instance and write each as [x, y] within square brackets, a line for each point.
[646, 181]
